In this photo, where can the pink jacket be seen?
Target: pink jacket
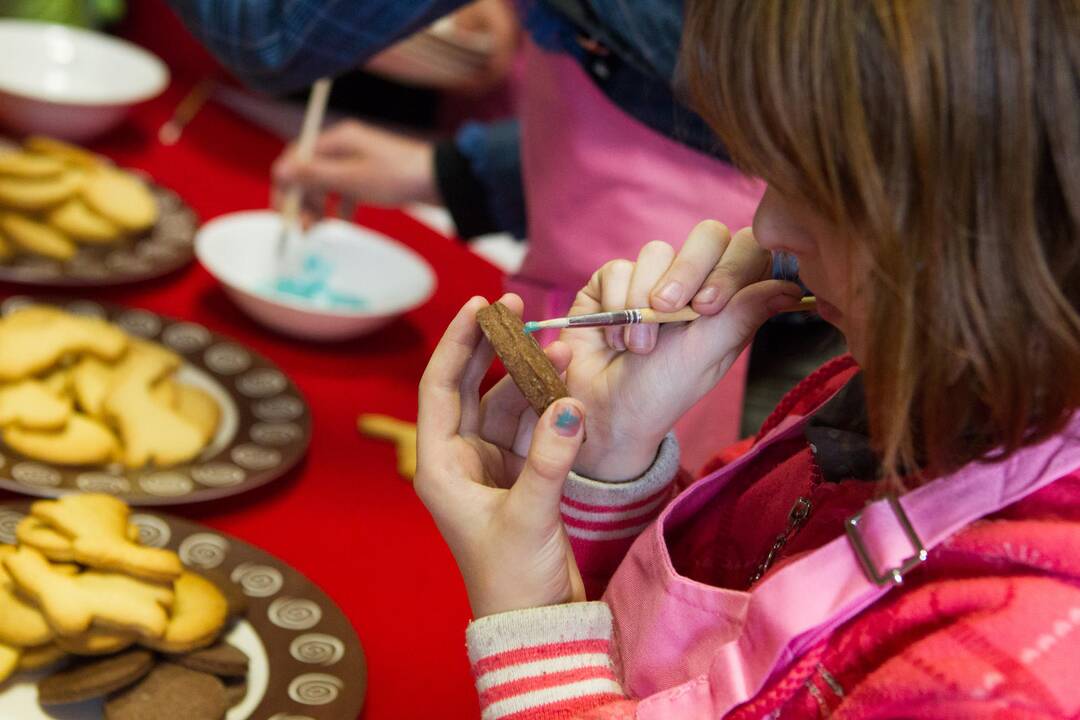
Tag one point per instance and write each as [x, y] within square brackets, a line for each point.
[988, 626]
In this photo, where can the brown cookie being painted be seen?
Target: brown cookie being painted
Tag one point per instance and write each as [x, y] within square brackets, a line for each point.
[170, 692]
[526, 363]
[95, 679]
[223, 660]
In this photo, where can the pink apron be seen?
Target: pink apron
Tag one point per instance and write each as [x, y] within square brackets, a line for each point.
[695, 651]
[599, 185]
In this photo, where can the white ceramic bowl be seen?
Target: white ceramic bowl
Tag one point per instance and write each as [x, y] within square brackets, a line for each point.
[240, 250]
[69, 83]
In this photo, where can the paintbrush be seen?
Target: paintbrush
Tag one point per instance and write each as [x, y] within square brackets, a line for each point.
[305, 150]
[637, 316]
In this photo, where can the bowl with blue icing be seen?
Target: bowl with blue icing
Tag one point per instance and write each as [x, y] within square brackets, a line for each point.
[338, 281]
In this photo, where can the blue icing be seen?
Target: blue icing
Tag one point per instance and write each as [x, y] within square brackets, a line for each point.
[312, 284]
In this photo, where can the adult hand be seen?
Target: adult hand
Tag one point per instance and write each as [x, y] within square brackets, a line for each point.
[359, 163]
[497, 510]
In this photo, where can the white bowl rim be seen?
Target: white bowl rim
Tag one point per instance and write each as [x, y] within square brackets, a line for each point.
[301, 306]
[117, 100]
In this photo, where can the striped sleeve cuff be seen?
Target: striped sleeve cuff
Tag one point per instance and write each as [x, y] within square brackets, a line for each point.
[543, 663]
[594, 510]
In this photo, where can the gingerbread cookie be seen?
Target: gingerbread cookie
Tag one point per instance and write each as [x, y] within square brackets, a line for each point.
[223, 660]
[525, 362]
[170, 692]
[95, 678]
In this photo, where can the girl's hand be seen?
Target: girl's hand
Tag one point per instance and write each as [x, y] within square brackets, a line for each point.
[498, 512]
[636, 381]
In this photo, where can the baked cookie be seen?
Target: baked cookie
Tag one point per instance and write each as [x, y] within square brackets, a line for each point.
[42, 656]
[21, 623]
[29, 165]
[34, 237]
[37, 195]
[121, 198]
[151, 432]
[95, 678]
[34, 338]
[170, 692]
[525, 362]
[71, 605]
[223, 660]
[81, 441]
[29, 404]
[9, 661]
[198, 407]
[98, 527]
[96, 642]
[198, 615]
[72, 155]
[76, 220]
[54, 545]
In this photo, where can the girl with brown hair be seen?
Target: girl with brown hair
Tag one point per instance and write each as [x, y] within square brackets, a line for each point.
[899, 538]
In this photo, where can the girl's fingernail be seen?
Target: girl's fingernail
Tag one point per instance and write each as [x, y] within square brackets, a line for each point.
[617, 340]
[671, 293]
[567, 420]
[707, 295]
[638, 337]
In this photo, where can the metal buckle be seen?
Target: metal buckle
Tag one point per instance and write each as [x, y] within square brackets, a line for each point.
[888, 575]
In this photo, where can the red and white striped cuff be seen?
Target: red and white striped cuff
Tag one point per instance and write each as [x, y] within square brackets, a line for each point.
[548, 662]
[596, 511]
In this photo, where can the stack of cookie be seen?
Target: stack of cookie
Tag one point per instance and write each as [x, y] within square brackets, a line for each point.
[55, 196]
[80, 584]
[79, 391]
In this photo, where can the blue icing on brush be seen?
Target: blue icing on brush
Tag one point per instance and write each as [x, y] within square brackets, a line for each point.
[312, 284]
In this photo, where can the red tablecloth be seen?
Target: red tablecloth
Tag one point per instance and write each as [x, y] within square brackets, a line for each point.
[343, 518]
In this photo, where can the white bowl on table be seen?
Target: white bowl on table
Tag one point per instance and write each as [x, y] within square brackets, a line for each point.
[240, 251]
[69, 83]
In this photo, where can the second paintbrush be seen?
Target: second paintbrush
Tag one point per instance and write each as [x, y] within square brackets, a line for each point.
[635, 316]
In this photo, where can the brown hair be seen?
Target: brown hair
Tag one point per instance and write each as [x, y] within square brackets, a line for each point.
[943, 138]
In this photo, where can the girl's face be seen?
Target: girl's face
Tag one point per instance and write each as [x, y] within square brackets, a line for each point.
[826, 262]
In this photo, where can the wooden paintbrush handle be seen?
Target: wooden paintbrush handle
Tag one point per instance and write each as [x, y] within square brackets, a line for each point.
[649, 315]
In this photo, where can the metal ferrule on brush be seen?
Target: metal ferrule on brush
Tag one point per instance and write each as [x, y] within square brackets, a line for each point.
[616, 317]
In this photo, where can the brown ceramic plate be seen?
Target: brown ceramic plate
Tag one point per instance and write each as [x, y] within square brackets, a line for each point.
[306, 660]
[166, 247]
[264, 430]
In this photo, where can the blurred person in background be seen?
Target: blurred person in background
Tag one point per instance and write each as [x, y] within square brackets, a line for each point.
[603, 154]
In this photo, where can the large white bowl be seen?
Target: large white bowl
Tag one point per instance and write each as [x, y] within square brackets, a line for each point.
[240, 250]
[69, 83]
